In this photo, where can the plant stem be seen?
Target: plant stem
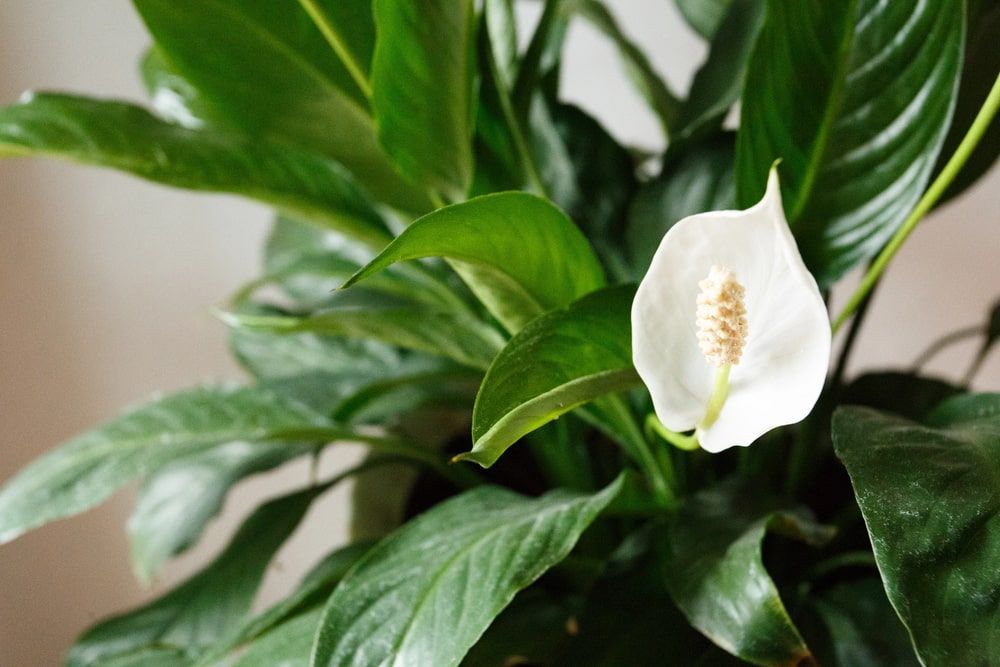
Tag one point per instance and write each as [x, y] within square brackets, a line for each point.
[942, 343]
[927, 202]
[720, 392]
[688, 443]
[660, 473]
[845, 352]
[333, 38]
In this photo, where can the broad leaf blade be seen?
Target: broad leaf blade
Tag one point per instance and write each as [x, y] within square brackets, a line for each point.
[125, 137]
[422, 84]
[858, 150]
[91, 467]
[557, 363]
[456, 567]
[208, 605]
[518, 253]
[930, 496]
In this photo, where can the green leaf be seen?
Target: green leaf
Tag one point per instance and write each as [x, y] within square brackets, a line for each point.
[128, 138]
[930, 496]
[178, 500]
[557, 363]
[649, 84]
[315, 588]
[719, 81]
[267, 69]
[699, 180]
[422, 85]
[908, 395]
[92, 466]
[173, 97]
[410, 326]
[456, 566]
[859, 148]
[209, 604]
[704, 16]
[529, 631]
[288, 645]
[520, 255]
[979, 71]
[715, 572]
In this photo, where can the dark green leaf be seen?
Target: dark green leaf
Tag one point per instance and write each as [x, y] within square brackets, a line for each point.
[979, 71]
[91, 467]
[210, 604]
[287, 645]
[855, 98]
[520, 255]
[911, 396]
[715, 572]
[178, 500]
[127, 138]
[530, 630]
[704, 15]
[422, 84]
[700, 180]
[930, 496]
[719, 81]
[557, 363]
[456, 567]
[267, 69]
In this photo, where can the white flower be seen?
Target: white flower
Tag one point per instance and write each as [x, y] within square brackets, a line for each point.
[729, 331]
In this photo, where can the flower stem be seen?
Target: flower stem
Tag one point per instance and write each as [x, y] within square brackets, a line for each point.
[688, 443]
[720, 392]
[927, 202]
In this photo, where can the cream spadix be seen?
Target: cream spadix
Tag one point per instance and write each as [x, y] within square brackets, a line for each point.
[729, 331]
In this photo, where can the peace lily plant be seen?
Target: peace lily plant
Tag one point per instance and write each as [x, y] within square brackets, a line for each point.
[564, 468]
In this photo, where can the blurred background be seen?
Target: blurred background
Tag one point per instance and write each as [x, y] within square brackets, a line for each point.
[106, 284]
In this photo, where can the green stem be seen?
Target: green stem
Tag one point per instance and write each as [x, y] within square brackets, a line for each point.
[661, 478]
[333, 38]
[720, 392]
[927, 202]
[688, 443]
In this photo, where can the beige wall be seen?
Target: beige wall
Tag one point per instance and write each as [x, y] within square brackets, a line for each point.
[105, 284]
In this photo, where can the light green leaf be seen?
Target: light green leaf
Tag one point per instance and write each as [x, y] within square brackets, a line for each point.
[520, 255]
[699, 180]
[422, 90]
[211, 603]
[268, 70]
[91, 467]
[715, 572]
[557, 363]
[173, 97]
[125, 137]
[859, 148]
[178, 500]
[456, 566]
[930, 496]
[287, 645]
[704, 15]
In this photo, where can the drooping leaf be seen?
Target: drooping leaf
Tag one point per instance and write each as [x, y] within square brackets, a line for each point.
[173, 97]
[287, 645]
[719, 81]
[930, 496]
[714, 570]
[125, 137]
[267, 68]
[208, 605]
[518, 253]
[859, 148]
[422, 89]
[704, 16]
[700, 180]
[92, 466]
[178, 500]
[456, 567]
[555, 364]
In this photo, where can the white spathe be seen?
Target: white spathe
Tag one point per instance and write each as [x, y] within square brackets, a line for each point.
[786, 355]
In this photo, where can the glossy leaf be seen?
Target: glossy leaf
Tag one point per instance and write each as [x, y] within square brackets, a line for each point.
[704, 16]
[125, 137]
[410, 326]
[173, 97]
[714, 570]
[858, 150]
[267, 69]
[699, 180]
[287, 645]
[422, 89]
[209, 604]
[520, 255]
[178, 500]
[92, 466]
[456, 566]
[557, 363]
[930, 496]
